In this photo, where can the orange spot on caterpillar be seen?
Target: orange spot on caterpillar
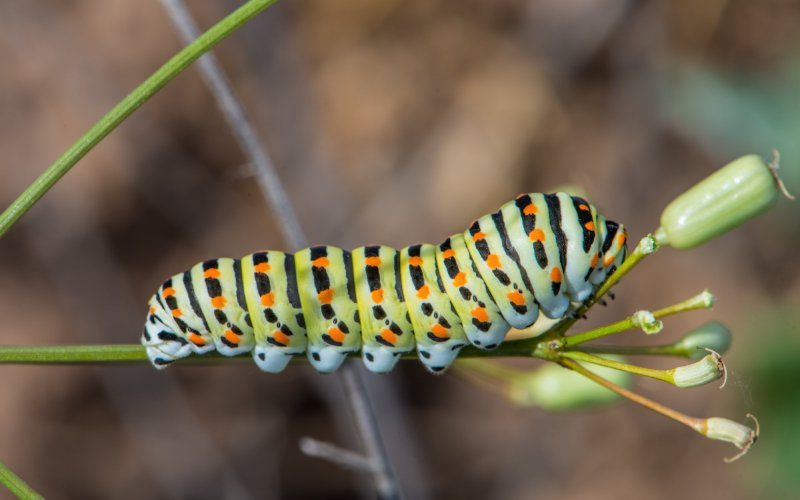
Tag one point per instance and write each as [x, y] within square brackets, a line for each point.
[608, 260]
[493, 261]
[280, 337]
[583, 207]
[325, 296]
[196, 339]
[480, 314]
[516, 298]
[589, 226]
[336, 334]
[152, 310]
[555, 274]
[595, 258]
[262, 268]
[373, 261]
[231, 337]
[268, 299]
[211, 273]
[439, 331]
[389, 336]
[478, 236]
[177, 313]
[448, 253]
[377, 296]
[415, 261]
[460, 279]
[423, 292]
[168, 292]
[218, 302]
[530, 209]
[621, 239]
[536, 235]
[320, 262]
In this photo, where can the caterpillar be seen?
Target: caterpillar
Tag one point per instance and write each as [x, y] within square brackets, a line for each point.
[538, 252]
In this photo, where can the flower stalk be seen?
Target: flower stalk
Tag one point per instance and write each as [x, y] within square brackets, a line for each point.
[720, 429]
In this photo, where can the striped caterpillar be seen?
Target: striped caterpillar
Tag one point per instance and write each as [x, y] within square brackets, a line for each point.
[539, 252]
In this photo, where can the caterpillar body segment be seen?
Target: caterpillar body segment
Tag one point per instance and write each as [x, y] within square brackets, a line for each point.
[327, 292]
[480, 317]
[438, 331]
[386, 330]
[539, 253]
[271, 293]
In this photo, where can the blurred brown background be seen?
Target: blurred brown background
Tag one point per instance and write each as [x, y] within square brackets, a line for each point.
[389, 122]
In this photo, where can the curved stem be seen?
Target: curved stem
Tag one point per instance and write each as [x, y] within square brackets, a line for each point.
[124, 108]
[16, 485]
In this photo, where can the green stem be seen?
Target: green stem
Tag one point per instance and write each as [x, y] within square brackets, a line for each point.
[635, 350]
[122, 353]
[646, 246]
[135, 353]
[695, 423]
[703, 300]
[128, 105]
[663, 375]
[16, 485]
[603, 331]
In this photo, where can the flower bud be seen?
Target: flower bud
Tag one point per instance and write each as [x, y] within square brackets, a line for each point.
[554, 388]
[712, 335]
[706, 370]
[733, 194]
[647, 322]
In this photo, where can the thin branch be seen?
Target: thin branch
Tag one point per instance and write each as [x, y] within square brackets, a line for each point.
[332, 453]
[273, 192]
[241, 127]
[125, 107]
[16, 485]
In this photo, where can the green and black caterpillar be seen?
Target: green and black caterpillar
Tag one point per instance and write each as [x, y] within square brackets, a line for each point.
[539, 252]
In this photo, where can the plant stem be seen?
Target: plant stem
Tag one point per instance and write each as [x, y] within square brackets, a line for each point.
[119, 353]
[663, 375]
[135, 353]
[16, 485]
[634, 350]
[645, 247]
[696, 424]
[703, 300]
[127, 106]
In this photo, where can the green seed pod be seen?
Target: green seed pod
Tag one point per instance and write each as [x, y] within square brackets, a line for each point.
[708, 369]
[554, 388]
[729, 431]
[733, 194]
[712, 335]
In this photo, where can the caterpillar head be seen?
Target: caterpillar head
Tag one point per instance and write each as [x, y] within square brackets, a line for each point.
[614, 239]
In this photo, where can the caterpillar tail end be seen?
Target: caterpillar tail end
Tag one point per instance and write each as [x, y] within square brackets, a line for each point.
[163, 353]
[158, 359]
